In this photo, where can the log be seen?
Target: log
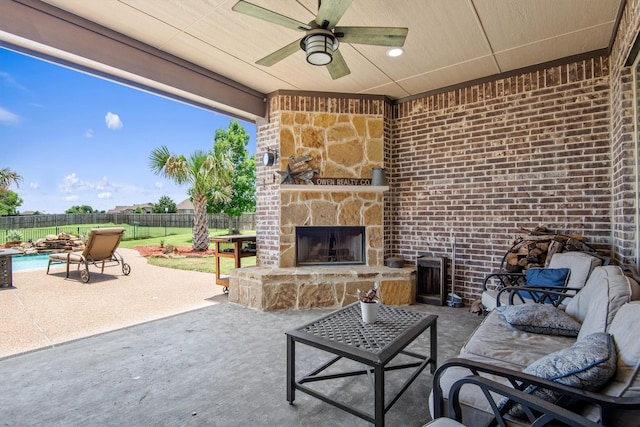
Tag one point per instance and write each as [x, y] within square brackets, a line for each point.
[554, 247]
[512, 258]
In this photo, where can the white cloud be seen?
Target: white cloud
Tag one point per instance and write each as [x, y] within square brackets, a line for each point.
[34, 185]
[8, 80]
[9, 118]
[159, 184]
[113, 121]
[71, 198]
[88, 133]
[70, 183]
[105, 195]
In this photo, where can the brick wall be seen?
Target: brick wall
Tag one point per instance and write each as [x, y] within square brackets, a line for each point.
[482, 161]
[623, 143]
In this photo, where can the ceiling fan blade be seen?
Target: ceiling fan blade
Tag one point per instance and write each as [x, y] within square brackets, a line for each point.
[280, 54]
[331, 11]
[379, 36]
[269, 16]
[338, 67]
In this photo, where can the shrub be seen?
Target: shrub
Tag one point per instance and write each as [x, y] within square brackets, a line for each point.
[14, 236]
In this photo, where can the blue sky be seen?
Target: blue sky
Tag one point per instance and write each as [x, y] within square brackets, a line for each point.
[77, 139]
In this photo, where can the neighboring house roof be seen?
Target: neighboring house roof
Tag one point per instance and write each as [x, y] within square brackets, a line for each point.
[185, 206]
[146, 207]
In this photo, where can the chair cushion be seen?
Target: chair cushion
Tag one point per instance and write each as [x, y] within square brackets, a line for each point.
[540, 319]
[581, 265]
[72, 257]
[551, 277]
[598, 302]
[588, 365]
[626, 382]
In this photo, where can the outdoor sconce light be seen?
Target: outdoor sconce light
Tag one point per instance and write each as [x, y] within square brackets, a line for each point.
[270, 157]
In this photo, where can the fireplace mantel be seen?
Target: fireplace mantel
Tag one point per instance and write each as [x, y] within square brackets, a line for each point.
[335, 188]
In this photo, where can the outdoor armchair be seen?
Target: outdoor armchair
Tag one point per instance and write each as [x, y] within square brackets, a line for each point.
[100, 248]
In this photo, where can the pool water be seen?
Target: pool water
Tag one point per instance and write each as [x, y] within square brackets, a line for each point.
[29, 262]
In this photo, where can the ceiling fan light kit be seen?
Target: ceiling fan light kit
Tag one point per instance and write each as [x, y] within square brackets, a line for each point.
[319, 46]
[321, 41]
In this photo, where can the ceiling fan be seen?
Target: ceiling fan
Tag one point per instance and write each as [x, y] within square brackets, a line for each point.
[323, 37]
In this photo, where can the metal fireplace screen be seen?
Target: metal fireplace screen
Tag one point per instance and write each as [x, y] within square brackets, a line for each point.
[330, 245]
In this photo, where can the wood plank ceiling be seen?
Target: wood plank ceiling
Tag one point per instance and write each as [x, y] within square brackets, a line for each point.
[449, 41]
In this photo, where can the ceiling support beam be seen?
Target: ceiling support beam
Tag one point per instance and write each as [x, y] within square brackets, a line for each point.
[44, 31]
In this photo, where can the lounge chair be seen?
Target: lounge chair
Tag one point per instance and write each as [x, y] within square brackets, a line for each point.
[100, 248]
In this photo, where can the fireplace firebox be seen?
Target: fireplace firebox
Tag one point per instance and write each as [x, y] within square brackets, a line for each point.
[330, 245]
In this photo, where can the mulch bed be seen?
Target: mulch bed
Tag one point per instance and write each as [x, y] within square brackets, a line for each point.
[147, 251]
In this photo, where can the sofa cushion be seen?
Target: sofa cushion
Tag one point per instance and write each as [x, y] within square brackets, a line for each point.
[540, 319]
[550, 277]
[489, 299]
[494, 342]
[581, 265]
[598, 302]
[588, 365]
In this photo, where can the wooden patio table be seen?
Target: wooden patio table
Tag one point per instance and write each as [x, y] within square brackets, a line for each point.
[237, 240]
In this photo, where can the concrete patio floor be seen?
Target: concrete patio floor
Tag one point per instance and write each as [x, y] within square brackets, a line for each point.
[123, 362]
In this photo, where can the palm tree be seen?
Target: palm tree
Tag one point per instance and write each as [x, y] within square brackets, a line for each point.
[8, 177]
[206, 173]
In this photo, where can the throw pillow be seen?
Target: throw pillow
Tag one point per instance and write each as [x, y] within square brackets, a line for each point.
[549, 277]
[540, 319]
[587, 365]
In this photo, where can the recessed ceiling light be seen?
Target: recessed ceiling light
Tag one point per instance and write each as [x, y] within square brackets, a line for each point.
[395, 51]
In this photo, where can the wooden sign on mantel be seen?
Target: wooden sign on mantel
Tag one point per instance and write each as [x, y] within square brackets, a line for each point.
[342, 181]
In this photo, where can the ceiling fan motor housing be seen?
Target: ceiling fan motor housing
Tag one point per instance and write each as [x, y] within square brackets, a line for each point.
[319, 45]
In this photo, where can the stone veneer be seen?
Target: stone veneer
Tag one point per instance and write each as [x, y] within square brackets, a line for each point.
[267, 288]
[345, 138]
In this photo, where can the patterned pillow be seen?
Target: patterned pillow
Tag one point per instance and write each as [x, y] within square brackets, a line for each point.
[540, 319]
[587, 365]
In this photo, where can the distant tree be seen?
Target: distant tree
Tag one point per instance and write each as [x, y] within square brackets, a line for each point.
[233, 143]
[207, 174]
[8, 177]
[138, 210]
[80, 209]
[9, 202]
[165, 205]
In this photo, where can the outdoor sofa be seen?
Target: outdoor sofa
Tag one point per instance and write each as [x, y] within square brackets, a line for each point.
[588, 354]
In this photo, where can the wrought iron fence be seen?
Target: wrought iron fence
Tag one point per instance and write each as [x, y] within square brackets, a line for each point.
[137, 226]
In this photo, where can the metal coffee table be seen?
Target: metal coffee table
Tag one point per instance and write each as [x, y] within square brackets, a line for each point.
[343, 334]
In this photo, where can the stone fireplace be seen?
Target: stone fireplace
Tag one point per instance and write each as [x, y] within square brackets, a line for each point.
[343, 139]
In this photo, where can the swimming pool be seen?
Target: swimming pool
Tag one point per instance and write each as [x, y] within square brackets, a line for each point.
[29, 262]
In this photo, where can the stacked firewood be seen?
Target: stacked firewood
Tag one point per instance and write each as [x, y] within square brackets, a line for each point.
[537, 247]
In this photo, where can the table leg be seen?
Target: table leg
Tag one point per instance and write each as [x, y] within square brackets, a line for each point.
[379, 395]
[291, 370]
[434, 346]
[237, 248]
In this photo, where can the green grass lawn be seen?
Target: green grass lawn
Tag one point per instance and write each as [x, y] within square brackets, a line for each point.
[205, 264]
[140, 236]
